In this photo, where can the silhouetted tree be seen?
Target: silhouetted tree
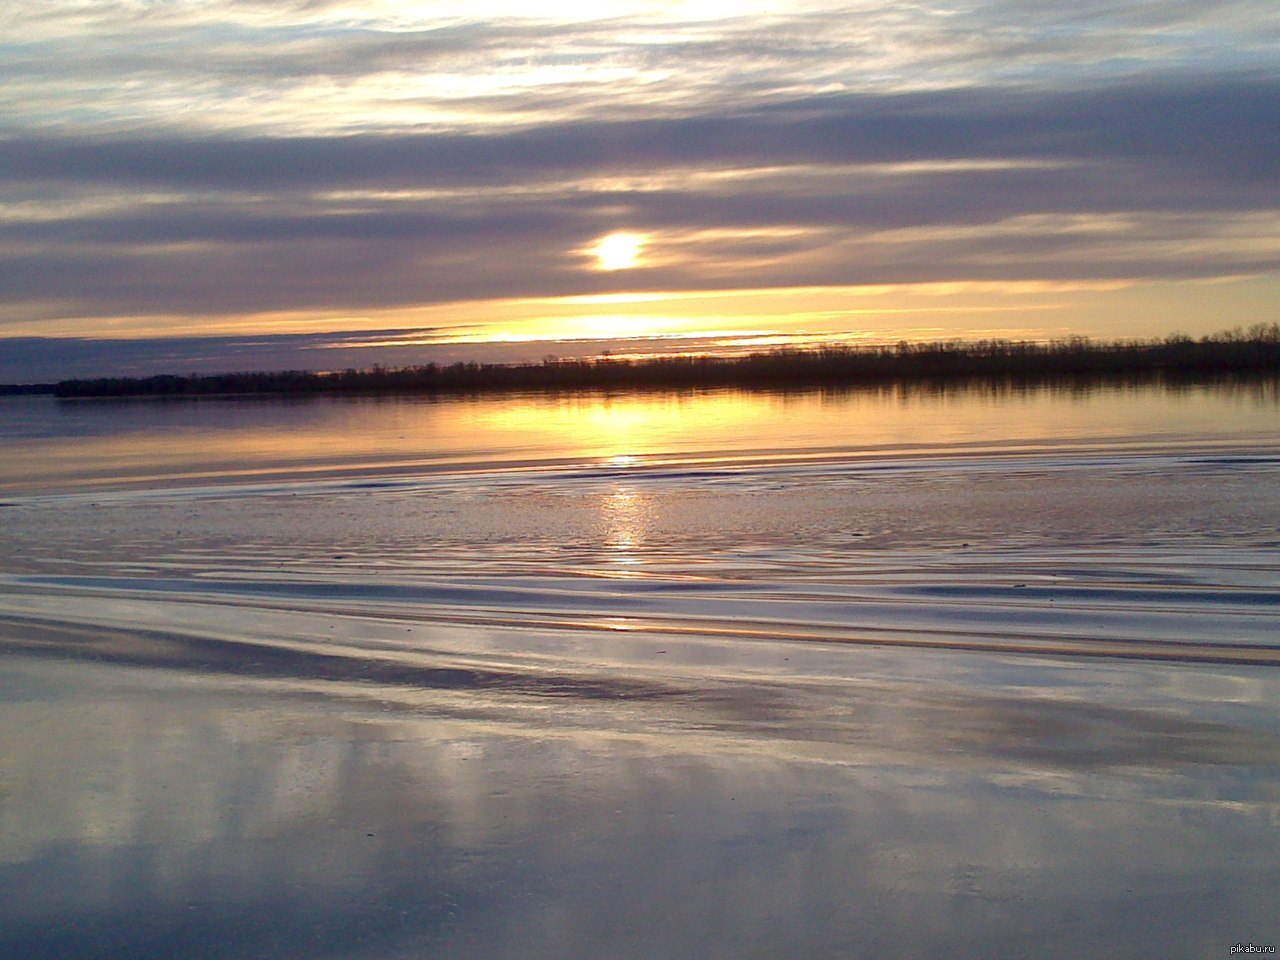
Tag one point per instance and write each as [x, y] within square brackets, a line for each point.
[1236, 352]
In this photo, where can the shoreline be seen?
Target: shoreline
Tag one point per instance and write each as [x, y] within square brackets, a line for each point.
[1234, 354]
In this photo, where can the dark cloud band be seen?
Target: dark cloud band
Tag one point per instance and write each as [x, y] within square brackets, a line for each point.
[1226, 127]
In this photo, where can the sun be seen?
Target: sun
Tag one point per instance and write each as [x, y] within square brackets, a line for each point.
[618, 251]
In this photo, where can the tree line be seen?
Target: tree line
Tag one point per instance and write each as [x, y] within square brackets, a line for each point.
[1252, 351]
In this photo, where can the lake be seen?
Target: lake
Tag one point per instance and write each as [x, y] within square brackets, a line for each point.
[984, 671]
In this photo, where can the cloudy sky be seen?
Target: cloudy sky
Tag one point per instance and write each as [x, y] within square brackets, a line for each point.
[245, 184]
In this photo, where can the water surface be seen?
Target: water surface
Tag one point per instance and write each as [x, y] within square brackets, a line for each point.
[979, 673]
[55, 444]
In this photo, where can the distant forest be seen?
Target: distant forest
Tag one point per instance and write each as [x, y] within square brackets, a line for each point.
[1253, 351]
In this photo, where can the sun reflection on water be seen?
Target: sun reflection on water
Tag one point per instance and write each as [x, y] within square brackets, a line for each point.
[624, 513]
[52, 447]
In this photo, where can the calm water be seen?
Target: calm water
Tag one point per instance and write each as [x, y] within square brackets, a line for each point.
[982, 673]
[51, 444]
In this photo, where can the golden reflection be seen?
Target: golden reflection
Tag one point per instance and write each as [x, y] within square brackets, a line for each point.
[624, 513]
[114, 443]
[623, 429]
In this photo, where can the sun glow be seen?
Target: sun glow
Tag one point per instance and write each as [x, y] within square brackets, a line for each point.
[618, 251]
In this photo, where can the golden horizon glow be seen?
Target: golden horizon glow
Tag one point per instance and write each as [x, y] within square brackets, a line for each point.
[864, 313]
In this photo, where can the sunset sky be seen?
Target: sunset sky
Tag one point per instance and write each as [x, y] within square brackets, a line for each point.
[257, 184]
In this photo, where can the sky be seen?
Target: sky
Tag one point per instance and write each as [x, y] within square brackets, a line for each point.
[263, 184]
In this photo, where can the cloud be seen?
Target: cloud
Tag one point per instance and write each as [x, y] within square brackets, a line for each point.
[46, 358]
[1225, 126]
[359, 66]
[49, 359]
[846, 189]
[238, 158]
